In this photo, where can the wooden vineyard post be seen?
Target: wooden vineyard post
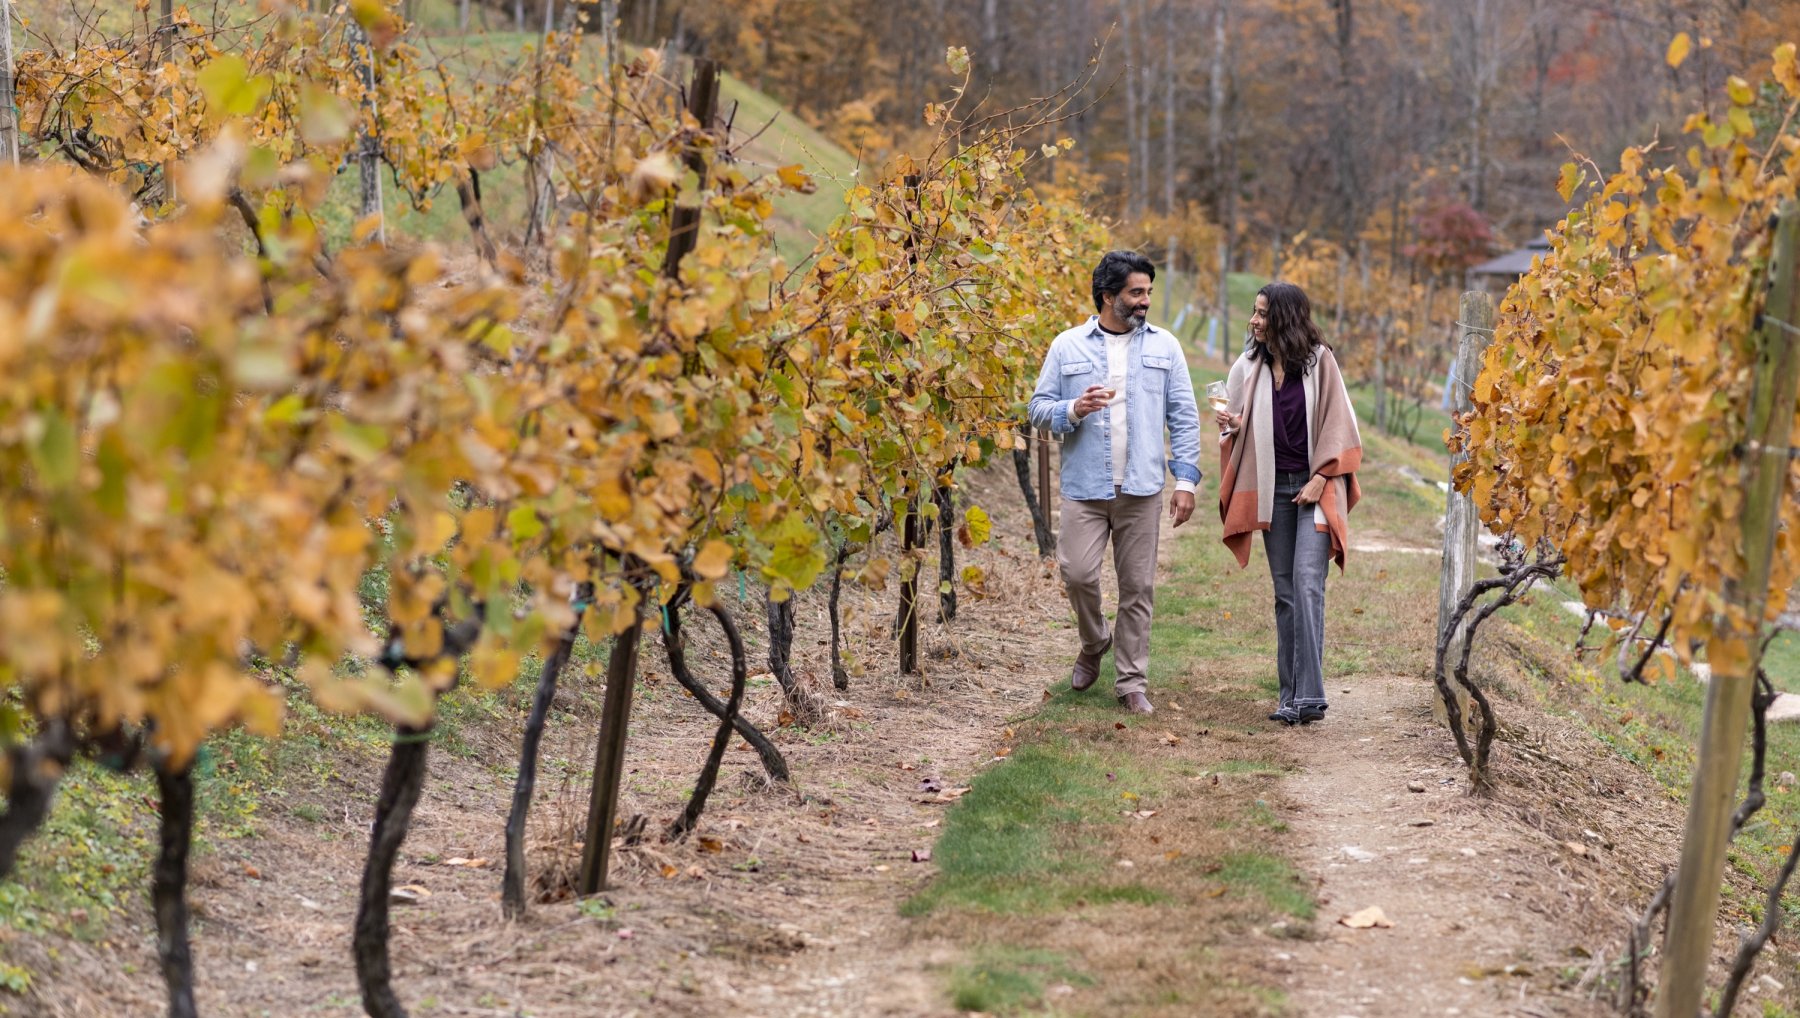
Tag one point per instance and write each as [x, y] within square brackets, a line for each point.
[609, 758]
[684, 229]
[621, 666]
[1735, 650]
[1475, 322]
[909, 590]
[1043, 481]
[909, 532]
[9, 116]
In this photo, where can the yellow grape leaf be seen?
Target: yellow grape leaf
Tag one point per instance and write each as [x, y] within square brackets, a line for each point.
[229, 88]
[796, 178]
[714, 559]
[366, 227]
[978, 524]
[1678, 49]
[323, 118]
[1569, 181]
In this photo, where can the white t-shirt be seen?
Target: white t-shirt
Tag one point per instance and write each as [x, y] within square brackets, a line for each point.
[1118, 356]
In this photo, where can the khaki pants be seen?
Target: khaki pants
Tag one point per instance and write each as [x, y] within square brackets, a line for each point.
[1134, 524]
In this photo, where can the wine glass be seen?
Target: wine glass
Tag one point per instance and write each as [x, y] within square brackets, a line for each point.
[1220, 400]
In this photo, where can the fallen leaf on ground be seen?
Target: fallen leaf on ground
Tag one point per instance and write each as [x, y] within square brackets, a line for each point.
[1171, 738]
[627, 934]
[932, 823]
[409, 893]
[883, 868]
[1217, 892]
[712, 846]
[252, 872]
[473, 864]
[1576, 847]
[908, 767]
[1129, 795]
[1415, 786]
[670, 871]
[1369, 918]
[1143, 814]
[1119, 725]
[1002, 751]
[921, 855]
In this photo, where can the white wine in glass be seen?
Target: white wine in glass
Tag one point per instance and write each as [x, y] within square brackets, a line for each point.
[1220, 400]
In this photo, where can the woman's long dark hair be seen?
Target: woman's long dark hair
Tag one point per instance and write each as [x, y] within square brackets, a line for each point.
[1289, 334]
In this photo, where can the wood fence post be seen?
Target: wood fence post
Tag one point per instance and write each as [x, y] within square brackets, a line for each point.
[621, 666]
[609, 758]
[1475, 322]
[9, 114]
[1736, 649]
[684, 228]
[909, 587]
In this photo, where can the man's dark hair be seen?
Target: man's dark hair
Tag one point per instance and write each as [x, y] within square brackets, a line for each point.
[1114, 269]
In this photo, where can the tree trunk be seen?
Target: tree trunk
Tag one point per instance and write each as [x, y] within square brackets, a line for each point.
[709, 773]
[773, 762]
[990, 37]
[1224, 175]
[1129, 38]
[1040, 514]
[401, 784]
[1169, 132]
[512, 883]
[780, 615]
[840, 678]
[168, 889]
[35, 768]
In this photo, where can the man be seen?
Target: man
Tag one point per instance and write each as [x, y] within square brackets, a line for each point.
[1110, 386]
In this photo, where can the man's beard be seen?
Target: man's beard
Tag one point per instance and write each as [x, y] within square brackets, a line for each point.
[1136, 318]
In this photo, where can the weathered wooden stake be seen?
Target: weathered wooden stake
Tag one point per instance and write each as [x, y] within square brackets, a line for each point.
[1043, 472]
[9, 118]
[609, 759]
[909, 590]
[684, 228]
[1461, 520]
[1734, 653]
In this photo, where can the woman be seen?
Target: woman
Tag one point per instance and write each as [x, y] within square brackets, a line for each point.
[1289, 450]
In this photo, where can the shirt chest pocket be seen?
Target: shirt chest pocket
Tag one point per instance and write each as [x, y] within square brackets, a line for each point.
[1076, 377]
[1156, 368]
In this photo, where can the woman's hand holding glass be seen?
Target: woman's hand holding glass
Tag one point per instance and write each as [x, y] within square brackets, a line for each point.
[1220, 399]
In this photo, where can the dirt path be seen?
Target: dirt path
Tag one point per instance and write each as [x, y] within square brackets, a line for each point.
[1439, 870]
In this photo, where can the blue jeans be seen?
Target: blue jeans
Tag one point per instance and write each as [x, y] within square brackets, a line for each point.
[1299, 557]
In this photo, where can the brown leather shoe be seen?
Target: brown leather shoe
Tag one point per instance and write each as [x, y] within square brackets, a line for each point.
[1136, 703]
[1087, 668]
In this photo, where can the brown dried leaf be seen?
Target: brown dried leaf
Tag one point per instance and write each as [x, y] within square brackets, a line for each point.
[1369, 918]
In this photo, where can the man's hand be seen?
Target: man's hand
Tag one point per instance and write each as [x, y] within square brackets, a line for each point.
[1314, 490]
[1181, 506]
[1091, 399]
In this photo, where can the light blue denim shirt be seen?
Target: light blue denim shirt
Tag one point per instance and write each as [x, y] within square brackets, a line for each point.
[1158, 393]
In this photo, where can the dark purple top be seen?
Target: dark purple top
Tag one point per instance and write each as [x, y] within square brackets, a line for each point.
[1290, 428]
